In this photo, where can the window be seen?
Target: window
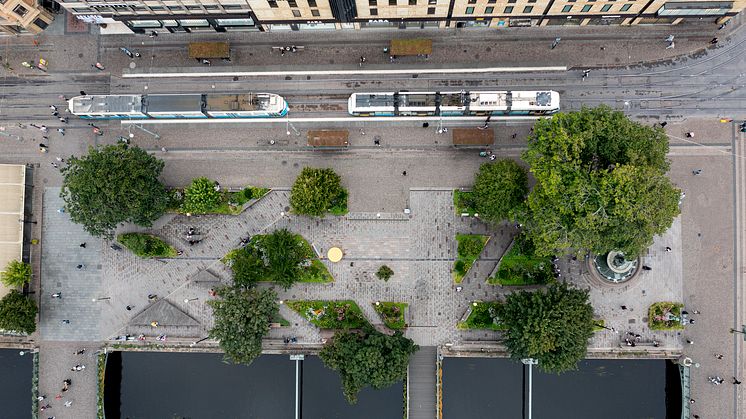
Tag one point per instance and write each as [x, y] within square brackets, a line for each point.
[472, 1]
[488, 10]
[528, 9]
[315, 12]
[432, 2]
[272, 4]
[372, 2]
[292, 3]
[312, 3]
[567, 8]
[431, 10]
[20, 10]
[173, 8]
[586, 8]
[156, 8]
[211, 7]
[392, 2]
[413, 2]
[193, 8]
[626, 7]
[606, 8]
[511, 1]
[469, 10]
[374, 12]
[296, 13]
[40, 23]
[508, 9]
[491, 1]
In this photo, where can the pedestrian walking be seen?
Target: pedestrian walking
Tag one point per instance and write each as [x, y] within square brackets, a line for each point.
[697, 172]
[57, 295]
[78, 368]
[59, 159]
[695, 311]
[362, 60]
[55, 165]
[515, 134]
[65, 321]
[624, 308]
[163, 149]
[668, 249]
[63, 120]
[53, 108]
[43, 129]
[692, 401]
[646, 268]
[404, 173]
[425, 124]
[80, 352]
[68, 403]
[735, 381]
[82, 93]
[80, 267]
[691, 342]
[40, 398]
[61, 131]
[690, 134]
[718, 356]
[55, 114]
[82, 245]
[714, 41]
[128, 308]
[152, 34]
[691, 321]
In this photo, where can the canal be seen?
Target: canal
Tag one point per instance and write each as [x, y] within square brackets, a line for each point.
[15, 386]
[478, 388]
[143, 385]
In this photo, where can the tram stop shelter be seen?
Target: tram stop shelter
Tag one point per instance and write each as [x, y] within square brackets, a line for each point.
[12, 220]
[328, 139]
[199, 50]
[408, 47]
[473, 137]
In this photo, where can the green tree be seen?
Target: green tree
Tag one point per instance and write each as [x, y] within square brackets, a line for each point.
[367, 358]
[248, 267]
[111, 185]
[552, 326]
[601, 184]
[284, 253]
[201, 196]
[385, 273]
[18, 313]
[318, 191]
[242, 318]
[499, 188]
[16, 274]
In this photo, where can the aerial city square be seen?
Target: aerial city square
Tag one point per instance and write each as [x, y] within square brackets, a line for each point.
[372, 209]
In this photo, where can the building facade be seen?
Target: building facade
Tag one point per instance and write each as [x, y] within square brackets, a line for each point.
[23, 16]
[141, 16]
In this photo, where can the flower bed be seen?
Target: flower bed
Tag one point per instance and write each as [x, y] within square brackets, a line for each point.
[392, 314]
[483, 316]
[519, 266]
[469, 248]
[665, 316]
[231, 203]
[146, 245]
[344, 314]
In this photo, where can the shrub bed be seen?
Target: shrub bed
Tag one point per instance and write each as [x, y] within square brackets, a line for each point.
[469, 248]
[344, 314]
[483, 316]
[665, 316]
[146, 245]
[392, 314]
[519, 266]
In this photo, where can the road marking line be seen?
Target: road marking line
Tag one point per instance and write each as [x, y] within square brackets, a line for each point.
[348, 72]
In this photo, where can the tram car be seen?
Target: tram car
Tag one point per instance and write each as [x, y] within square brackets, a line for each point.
[178, 106]
[461, 103]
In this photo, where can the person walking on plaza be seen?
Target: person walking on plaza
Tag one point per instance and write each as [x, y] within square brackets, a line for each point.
[735, 381]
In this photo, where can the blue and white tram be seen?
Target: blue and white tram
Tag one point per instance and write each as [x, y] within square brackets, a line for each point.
[178, 106]
[462, 103]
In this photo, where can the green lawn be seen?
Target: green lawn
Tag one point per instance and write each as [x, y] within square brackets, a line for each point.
[482, 317]
[660, 316]
[469, 248]
[280, 320]
[463, 202]
[344, 314]
[392, 314]
[146, 245]
[519, 268]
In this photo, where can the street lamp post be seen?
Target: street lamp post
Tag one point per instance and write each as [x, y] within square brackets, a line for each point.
[742, 331]
[191, 345]
[100, 299]
[530, 362]
[189, 300]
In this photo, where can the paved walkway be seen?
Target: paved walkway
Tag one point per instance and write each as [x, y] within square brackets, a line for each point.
[55, 361]
[421, 384]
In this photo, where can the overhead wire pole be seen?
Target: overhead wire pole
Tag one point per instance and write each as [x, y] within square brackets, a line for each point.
[530, 362]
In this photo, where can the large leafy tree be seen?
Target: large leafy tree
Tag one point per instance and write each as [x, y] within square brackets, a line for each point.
[278, 257]
[16, 274]
[111, 185]
[368, 358]
[18, 313]
[242, 318]
[601, 184]
[201, 196]
[499, 188]
[552, 326]
[318, 191]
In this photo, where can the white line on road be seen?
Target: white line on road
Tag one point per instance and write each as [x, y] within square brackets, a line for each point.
[333, 119]
[348, 72]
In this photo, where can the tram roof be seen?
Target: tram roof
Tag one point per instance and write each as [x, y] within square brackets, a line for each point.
[237, 102]
[106, 104]
[174, 103]
[374, 100]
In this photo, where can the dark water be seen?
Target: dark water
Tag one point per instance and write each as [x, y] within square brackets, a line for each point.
[15, 385]
[609, 389]
[142, 385]
[323, 399]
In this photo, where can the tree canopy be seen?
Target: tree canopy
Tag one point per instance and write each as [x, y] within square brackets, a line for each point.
[18, 313]
[601, 184]
[318, 191]
[111, 185]
[16, 274]
[368, 358]
[499, 188]
[279, 257]
[242, 318]
[201, 196]
[552, 326]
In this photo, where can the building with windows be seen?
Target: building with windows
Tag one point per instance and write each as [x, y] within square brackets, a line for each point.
[20, 16]
[143, 16]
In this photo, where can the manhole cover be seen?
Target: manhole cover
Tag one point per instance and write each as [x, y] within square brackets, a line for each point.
[133, 64]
